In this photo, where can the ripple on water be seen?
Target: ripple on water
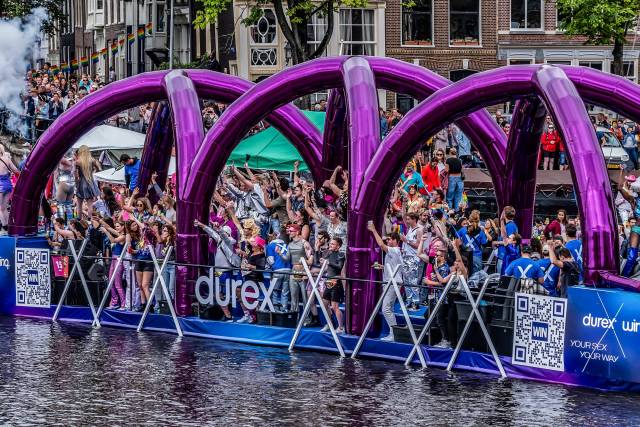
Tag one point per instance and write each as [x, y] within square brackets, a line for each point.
[53, 374]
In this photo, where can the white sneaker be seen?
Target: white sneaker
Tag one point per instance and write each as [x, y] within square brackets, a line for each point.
[245, 319]
[340, 331]
[443, 344]
[325, 328]
[387, 338]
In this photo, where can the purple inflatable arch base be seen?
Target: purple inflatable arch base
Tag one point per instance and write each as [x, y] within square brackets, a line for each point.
[373, 165]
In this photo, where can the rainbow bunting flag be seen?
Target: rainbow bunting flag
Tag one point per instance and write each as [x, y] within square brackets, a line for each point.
[140, 33]
[114, 48]
[54, 69]
[103, 52]
[74, 64]
[121, 42]
[95, 57]
[148, 27]
[131, 38]
[65, 67]
[84, 61]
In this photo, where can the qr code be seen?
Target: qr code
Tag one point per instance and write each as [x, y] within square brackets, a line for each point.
[538, 339]
[33, 277]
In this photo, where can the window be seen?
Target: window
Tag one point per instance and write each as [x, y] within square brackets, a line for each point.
[596, 65]
[464, 22]
[526, 14]
[520, 61]
[457, 75]
[629, 70]
[316, 97]
[316, 29]
[100, 4]
[417, 23]
[553, 62]
[404, 103]
[357, 32]
[264, 40]
[160, 18]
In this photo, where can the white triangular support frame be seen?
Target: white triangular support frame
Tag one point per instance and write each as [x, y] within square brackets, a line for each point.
[391, 283]
[75, 269]
[119, 262]
[476, 314]
[160, 279]
[432, 316]
[315, 293]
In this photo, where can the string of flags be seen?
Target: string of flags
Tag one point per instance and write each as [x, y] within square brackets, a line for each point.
[115, 47]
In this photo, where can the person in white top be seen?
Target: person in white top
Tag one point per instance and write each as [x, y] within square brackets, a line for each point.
[411, 271]
[392, 259]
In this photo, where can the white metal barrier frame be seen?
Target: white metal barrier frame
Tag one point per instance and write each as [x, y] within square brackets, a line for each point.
[391, 283]
[315, 293]
[76, 269]
[475, 313]
[110, 284]
[160, 279]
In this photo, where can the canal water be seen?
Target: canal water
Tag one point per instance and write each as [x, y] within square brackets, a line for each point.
[68, 374]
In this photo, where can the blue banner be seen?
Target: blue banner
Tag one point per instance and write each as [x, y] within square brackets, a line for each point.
[7, 274]
[603, 333]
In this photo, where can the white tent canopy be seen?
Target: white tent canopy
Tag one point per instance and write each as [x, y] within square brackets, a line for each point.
[106, 137]
[116, 175]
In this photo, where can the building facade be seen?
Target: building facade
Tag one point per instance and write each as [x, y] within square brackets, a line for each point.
[454, 38]
[262, 50]
[528, 34]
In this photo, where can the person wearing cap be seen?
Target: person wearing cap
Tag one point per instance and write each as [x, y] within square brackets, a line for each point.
[299, 249]
[524, 267]
[279, 262]
[226, 260]
[392, 261]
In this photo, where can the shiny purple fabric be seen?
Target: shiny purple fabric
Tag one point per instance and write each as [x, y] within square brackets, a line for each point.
[335, 139]
[188, 132]
[492, 87]
[522, 159]
[156, 154]
[362, 105]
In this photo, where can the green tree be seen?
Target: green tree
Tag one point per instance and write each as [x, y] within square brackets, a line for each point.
[21, 8]
[603, 22]
[293, 17]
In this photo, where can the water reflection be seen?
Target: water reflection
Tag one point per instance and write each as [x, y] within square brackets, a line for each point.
[70, 374]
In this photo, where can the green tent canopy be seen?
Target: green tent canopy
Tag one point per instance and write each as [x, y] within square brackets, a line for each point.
[271, 150]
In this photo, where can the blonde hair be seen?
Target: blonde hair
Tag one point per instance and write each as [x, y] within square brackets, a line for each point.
[85, 162]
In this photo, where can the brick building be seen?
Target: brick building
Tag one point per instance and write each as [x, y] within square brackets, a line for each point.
[528, 33]
[454, 38]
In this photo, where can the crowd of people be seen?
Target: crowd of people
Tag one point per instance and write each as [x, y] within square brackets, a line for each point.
[262, 225]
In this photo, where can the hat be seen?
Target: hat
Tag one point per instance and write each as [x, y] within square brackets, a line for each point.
[259, 241]
[526, 249]
[630, 178]
[227, 230]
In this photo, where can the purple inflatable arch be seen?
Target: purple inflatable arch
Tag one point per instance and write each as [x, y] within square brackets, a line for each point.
[492, 87]
[371, 180]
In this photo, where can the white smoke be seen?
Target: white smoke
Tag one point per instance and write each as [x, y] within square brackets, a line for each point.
[17, 40]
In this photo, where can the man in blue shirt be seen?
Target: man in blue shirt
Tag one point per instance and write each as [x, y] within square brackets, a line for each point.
[508, 228]
[474, 244]
[131, 170]
[525, 267]
[551, 273]
[574, 245]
